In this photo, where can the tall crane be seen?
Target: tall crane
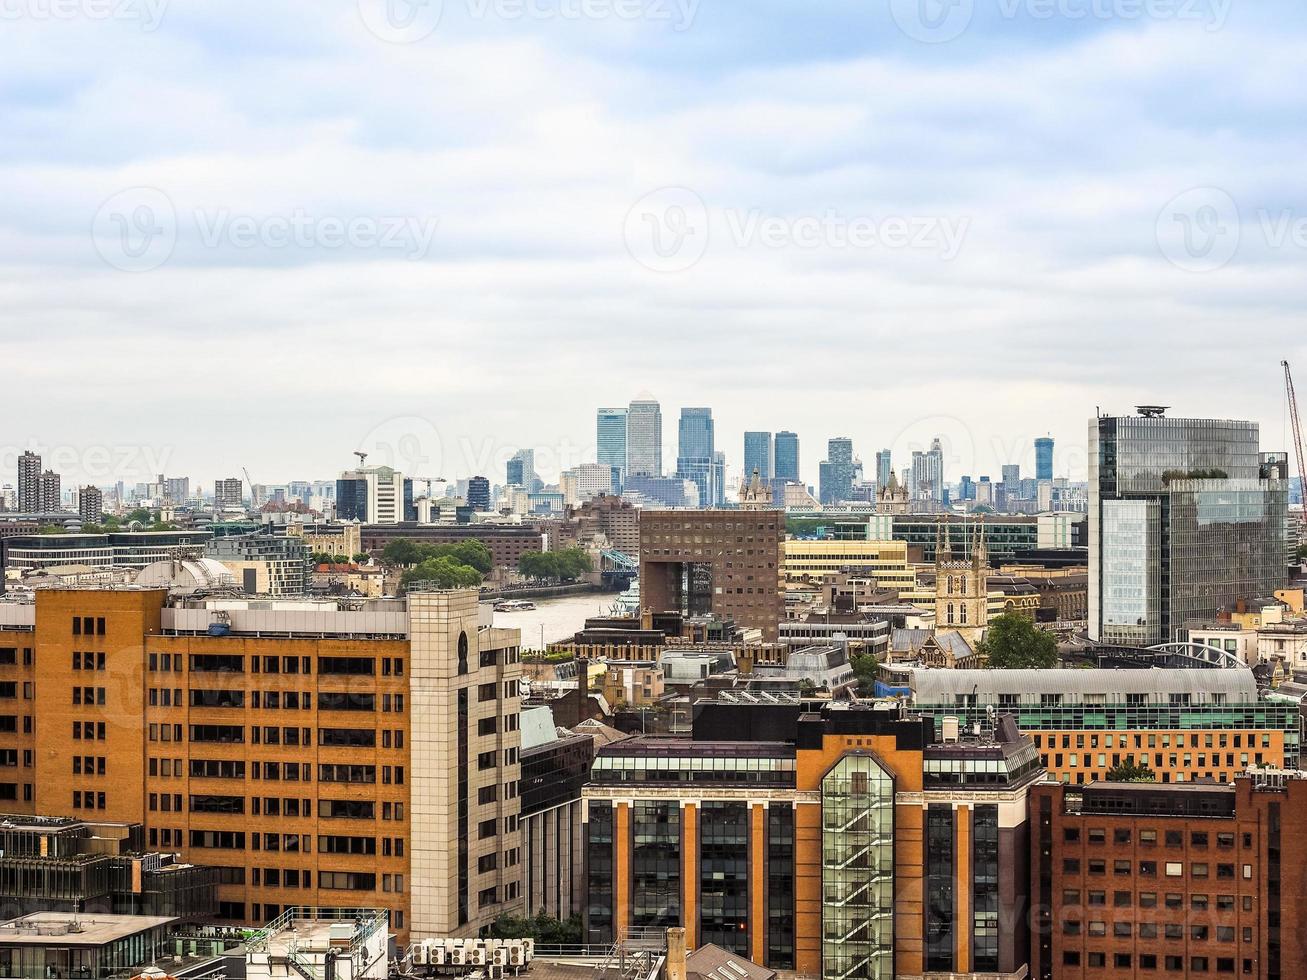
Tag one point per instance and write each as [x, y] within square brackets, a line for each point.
[1297, 434]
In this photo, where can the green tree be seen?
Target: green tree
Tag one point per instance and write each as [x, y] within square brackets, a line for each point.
[444, 572]
[1131, 772]
[51, 529]
[141, 516]
[401, 552]
[1014, 642]
[362, 558]
[864, 669]
[543, 928]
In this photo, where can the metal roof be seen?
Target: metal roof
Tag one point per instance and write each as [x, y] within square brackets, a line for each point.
[936, 686]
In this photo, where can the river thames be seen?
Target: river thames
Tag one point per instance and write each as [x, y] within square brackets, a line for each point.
[556, 619]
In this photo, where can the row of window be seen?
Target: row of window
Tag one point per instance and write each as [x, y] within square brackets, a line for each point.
[1148, 869]
[1149, 961]
[1148, 900]
[225, 663]
[1152, 930]
[260, 735]
[1154, 740]
[1148, 836]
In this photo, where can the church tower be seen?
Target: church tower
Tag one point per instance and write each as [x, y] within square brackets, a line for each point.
[962, 584]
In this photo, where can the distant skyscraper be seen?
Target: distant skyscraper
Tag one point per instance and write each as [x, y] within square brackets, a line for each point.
[884, 467]
[610, 433]
[90, 505]
[521, 469]
[372, 495]
[228, 494]
[29, 471]
[759, 456]
[696, 453]
[1012, 476]
[49, 494]
[644, 438]
[1186, 519]
[787, 457]
[836, 473]
[1044, 459]
[478, 494]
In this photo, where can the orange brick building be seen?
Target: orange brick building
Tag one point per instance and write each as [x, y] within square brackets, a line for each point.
[317, 754]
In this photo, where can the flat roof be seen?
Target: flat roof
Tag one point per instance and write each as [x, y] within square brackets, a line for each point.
[46, 928]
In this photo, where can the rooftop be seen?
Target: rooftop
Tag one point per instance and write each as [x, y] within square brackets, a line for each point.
[76, 929]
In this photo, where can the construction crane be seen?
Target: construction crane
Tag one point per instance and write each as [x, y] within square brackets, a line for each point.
[250, 484]
[363, 458]
[1297, 434]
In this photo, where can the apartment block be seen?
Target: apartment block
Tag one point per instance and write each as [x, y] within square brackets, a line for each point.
[362, 754]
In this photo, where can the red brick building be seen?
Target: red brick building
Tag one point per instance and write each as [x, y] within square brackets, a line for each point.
[1149, 880]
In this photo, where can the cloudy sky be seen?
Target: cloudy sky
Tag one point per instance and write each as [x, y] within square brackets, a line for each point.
[241, 233]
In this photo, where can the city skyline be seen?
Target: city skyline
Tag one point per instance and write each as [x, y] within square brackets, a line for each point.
[413, 445]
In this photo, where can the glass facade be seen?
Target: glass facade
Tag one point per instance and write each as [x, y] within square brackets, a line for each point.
[1186, 518]
[610, 427]
[612, 766]
[724, 875]
[599, 874]
[941, 907]
[787, 457]
[759, 455]
[780, 887]
[656, 864]
[984, 888]
[857, 908]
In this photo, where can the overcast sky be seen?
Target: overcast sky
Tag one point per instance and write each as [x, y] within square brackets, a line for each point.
[241, 233]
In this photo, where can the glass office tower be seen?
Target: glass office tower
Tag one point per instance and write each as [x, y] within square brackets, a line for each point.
[644, 438]
[759, 455]
[787, 457]
[1186, 518]
[610, 431]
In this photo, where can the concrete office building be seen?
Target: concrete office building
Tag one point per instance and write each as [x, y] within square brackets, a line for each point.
[726, 562]
[1186, 518]
[850, 844]
[375, 495]
[228, 494]
[644, 438]
[362, 755]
